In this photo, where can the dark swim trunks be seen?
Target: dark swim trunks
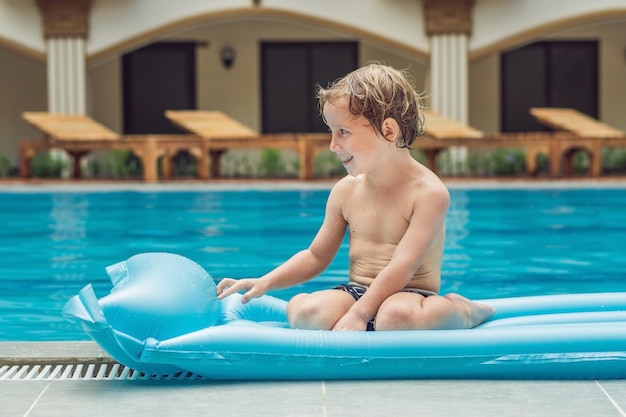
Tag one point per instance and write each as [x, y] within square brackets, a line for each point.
[357, 291]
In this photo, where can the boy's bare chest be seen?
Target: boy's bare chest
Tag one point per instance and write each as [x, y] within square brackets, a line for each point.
[378, 221]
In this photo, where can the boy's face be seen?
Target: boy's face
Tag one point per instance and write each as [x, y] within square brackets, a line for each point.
[353, 139]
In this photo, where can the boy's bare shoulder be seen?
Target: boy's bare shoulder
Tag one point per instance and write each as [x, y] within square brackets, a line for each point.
[344, 185]
[438, 188]
[340, 192]
[430, 187]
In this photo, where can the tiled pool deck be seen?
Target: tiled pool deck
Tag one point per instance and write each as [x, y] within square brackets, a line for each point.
[50, 397]
[123, 397]
[30, 397]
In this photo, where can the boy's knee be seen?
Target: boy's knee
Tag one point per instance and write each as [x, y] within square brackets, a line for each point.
[396, 315]
[295, 302]
[305, 313]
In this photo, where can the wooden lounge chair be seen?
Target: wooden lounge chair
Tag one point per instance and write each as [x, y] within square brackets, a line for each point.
[210, 124]
[76, 134]
[440, 127]
[79, 135]
[69, 127]
[577, 131]
[221, 133]
[441, 133]
[571, 120]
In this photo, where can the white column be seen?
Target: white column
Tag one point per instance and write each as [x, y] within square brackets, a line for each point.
[66, 75]
[449, 85]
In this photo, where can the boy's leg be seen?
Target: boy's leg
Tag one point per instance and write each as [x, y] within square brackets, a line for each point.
[410, 311]
[319, 310]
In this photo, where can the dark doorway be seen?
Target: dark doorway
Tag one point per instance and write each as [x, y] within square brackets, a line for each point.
[156, 78]
[290, 72]
[548, 74]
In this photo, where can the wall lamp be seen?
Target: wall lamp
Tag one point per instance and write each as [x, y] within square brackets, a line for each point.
[227, 55]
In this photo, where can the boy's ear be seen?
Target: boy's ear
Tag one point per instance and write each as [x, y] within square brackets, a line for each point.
[390, 129]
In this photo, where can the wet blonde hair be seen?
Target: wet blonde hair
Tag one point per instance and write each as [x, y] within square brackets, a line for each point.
[377, 92]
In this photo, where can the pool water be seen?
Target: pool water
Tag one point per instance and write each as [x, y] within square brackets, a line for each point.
[500, 243]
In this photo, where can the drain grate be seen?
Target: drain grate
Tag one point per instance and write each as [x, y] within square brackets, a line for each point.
[84, 371]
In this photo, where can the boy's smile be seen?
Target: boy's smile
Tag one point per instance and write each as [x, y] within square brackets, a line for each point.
[352, 138]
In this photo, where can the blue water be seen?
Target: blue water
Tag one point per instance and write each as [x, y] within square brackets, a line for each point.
[500, 243]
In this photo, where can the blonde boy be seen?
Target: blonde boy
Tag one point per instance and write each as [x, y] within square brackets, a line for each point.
[394, 209]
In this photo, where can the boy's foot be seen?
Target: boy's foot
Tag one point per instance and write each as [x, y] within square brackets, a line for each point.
[478, 312]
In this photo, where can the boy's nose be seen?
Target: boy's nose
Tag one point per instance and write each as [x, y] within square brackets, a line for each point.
[333, 146]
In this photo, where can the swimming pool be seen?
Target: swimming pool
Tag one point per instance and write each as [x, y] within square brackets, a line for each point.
[500, 242]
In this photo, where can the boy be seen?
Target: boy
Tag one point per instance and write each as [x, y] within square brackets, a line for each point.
[394, 209]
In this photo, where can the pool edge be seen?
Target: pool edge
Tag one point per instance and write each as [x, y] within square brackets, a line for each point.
[26, 353]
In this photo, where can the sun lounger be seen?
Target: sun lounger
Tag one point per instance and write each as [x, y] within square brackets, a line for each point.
[442, 133]
[76, 134]
[79, 135]
[68, 127]
[570, 120]
[576, 131]
[221, 133]
[440, 127]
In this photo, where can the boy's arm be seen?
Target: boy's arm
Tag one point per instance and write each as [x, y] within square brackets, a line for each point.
[302, 266]
[425, 224]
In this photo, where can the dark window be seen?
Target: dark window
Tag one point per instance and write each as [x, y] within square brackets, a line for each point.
[548, 74]
[156, 78]
[290, 71]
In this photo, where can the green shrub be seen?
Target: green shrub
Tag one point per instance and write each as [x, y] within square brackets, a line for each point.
[327, 165]
[184, 164]
[44, 165]
[614, 160]
[5, 166]
[509, 162]
[448, 166]
[543, 164]
[500, 162]
[116, 164]
[479, 164]
[580, 163]
[237, 165]
[123, 164]
[271, 163]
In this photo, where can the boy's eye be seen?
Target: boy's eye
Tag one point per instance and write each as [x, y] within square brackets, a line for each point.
[340, 132]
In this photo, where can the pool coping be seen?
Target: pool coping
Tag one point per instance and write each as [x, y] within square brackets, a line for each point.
[54, 353]
[285, 185]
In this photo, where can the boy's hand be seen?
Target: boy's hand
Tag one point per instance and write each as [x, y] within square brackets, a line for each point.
[252, 288]
[351, 322]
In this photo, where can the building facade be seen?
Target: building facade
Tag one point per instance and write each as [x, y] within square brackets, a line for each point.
[481, 62]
